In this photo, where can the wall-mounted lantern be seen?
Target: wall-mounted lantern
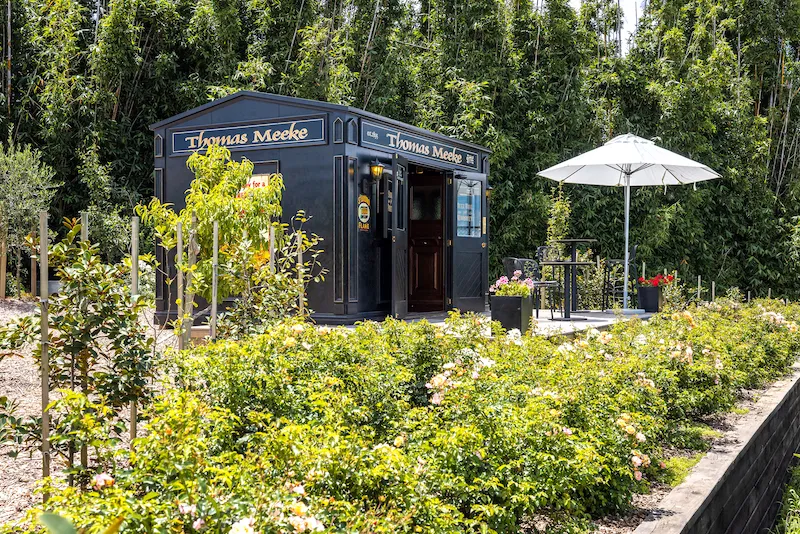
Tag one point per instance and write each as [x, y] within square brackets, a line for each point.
[376, 169]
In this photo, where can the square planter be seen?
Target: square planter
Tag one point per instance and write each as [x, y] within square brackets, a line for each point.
[512, 312]
[651, 299]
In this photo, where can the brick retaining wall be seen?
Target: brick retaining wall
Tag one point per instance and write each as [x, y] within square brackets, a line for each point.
[737, 487]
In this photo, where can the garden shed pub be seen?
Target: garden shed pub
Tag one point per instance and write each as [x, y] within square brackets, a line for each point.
[402, 211]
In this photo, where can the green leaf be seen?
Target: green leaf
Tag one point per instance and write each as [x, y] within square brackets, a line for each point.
[56, 524]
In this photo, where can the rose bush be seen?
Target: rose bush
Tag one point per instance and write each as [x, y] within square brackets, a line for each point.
[399, 427]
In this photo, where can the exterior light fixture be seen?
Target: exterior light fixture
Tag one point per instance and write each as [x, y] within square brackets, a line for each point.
[376, 169]
[488, 191]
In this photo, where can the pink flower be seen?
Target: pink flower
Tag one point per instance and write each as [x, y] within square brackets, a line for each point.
[102, 480]
[662, 465]
[437, 398]
[641, 437]
[636, 461]
[187, 509]
[199, 524]
[517, 273]
[637, 475]
[503, 280]
[298, 523]
[567, 431]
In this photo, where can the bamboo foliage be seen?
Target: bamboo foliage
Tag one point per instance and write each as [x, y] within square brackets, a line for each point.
[536, 81]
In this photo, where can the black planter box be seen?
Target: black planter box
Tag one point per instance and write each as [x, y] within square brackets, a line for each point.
[512, 312]
[651, 299]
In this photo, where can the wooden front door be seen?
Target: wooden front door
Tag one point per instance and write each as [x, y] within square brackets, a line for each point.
[426, 242]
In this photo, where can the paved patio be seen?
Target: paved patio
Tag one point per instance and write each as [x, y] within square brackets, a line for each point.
[545, 326]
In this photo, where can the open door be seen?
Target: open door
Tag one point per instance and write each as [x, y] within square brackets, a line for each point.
[468, 241]
[398, 206]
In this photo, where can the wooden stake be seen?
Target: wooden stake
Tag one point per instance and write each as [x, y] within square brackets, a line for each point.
[643, 266]
[748, 296]
[33, 276]
[3, 262]
[45, 341]
[84, 364]
[713, 291]
[300, 271]
[214, 281]
[134, 296]
[188, 304]
[179, 283]
[272, 249]
[699, 286]
[84, 226]
[769, 293]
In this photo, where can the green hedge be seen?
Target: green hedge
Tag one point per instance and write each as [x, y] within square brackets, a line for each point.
[398, 427]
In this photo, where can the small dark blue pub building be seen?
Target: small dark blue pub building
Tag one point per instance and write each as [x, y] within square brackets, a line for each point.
[402, 211]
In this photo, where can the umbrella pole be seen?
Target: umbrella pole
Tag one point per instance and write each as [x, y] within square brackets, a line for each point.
[627, 249]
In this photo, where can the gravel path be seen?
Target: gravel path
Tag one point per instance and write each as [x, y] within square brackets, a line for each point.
[19, 380]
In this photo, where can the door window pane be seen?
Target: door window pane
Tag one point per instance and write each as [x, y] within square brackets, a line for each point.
[468, 216]
[426, 203]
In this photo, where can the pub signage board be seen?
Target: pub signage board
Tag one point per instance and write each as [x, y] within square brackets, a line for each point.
[397, 141]
[271, 135]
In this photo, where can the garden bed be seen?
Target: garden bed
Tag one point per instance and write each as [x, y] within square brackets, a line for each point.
[399, 427]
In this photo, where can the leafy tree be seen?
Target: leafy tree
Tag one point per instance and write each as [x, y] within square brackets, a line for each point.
[26, 187]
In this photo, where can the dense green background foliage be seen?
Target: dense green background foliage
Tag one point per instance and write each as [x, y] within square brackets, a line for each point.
[534, 80]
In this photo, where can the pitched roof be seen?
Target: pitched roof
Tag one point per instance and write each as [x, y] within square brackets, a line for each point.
[314, 104]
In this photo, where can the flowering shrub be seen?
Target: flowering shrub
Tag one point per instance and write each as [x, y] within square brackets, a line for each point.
[516, 287]
[657, 280]
[398, 427]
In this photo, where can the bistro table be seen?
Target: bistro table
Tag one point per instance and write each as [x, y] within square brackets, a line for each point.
[573, 245]
[569, 268]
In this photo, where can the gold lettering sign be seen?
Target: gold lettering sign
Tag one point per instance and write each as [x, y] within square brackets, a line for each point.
[296, 132]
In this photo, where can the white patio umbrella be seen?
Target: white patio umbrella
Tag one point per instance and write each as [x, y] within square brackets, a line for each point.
[628, 160]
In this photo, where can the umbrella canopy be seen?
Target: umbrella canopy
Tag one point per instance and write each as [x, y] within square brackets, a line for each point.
[645, 162]
[628, 160]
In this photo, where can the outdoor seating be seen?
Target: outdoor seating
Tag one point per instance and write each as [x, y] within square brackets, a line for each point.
[614, 281]
[530, 269]
[550, 253]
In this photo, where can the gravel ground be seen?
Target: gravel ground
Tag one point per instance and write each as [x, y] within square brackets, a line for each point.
[19, 380]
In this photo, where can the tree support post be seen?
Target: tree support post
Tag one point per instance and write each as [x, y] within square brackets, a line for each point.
[301, 303]
[45, 341]
[179, 283]
[134, 297]
[214, 281]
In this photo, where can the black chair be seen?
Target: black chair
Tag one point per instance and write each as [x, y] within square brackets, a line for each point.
[530, 269]
[614, 280]
[553, 253]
